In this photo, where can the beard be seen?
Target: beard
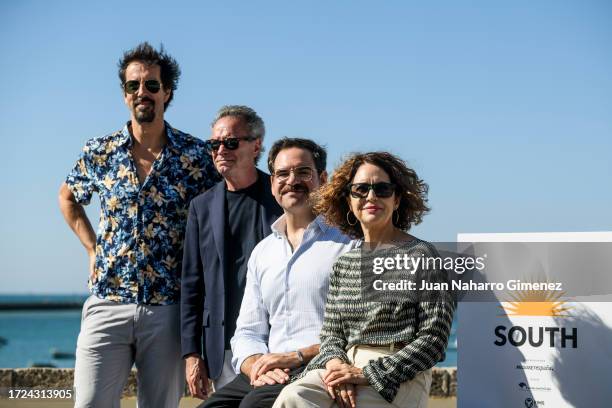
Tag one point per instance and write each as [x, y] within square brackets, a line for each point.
[148, 114]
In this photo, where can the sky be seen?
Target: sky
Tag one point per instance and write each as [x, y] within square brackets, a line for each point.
[503, 108]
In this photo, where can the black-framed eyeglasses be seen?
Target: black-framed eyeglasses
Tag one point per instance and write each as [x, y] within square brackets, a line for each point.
[381, 189]
[303, 173]
[230, 143]
[152, 85]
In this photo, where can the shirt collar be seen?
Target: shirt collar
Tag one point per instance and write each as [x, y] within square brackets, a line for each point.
[279, 227]
[320, 221]
[174, 139]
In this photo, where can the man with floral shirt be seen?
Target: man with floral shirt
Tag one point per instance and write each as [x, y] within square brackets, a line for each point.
[145, 175]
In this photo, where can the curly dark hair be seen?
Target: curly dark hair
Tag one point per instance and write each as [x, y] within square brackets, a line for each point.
[168, 67]
[331, 199]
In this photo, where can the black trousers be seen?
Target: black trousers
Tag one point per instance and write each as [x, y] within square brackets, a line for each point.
[240, 394]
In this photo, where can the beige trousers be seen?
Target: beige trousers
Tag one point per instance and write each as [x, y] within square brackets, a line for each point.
[310, 391]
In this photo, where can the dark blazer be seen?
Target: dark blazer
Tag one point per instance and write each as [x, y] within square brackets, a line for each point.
[202, 283]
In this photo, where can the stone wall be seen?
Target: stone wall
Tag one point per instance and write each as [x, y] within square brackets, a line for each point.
[50, 378]
[444, 380]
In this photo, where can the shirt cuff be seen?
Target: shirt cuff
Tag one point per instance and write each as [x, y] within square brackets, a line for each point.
[78, 192]
[243, 349]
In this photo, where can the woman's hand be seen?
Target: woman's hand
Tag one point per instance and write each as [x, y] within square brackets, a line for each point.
[338, 372]
[345, 395]
[341, 380]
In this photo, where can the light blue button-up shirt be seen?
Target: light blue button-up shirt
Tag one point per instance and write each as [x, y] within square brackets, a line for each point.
[284, 298]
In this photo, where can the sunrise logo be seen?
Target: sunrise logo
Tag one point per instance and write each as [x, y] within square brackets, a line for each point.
[535, 303]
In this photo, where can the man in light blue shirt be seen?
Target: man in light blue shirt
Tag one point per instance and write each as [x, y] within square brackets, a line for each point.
[281, 315]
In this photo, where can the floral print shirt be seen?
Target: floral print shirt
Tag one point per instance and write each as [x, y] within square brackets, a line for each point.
[139, 244]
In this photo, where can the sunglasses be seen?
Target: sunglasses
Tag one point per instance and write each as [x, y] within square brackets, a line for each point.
[133, 86]
[381, 190]
[230, 143]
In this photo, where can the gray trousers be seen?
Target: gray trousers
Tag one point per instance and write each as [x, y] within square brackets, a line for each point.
[113, 337]
[227, 374]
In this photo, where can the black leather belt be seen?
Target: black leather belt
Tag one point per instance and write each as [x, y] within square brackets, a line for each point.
[398, 345]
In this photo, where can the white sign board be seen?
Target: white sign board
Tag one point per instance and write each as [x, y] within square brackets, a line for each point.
[525, 354]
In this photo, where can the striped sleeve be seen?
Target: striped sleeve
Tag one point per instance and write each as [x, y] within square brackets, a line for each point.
[333, 338]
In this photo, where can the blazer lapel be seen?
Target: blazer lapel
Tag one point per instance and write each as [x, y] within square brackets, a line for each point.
[269, 205]
[217, 221]
[265, 221]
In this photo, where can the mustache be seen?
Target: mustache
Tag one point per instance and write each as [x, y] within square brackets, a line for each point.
[142, 99]
[295, 188]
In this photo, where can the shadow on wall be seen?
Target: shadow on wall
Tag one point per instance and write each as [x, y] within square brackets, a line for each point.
[583, 373]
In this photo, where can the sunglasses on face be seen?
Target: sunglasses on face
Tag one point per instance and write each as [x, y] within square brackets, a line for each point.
[133, 86]
[230, 143]
[300, 173]
[381, 190]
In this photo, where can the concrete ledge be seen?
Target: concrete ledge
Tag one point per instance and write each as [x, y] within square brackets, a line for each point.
[50, 378]
[443, 384]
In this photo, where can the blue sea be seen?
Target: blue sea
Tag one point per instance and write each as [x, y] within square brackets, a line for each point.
[32, 336]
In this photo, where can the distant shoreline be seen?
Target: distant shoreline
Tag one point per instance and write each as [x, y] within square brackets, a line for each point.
[15, 302]
[4, 306]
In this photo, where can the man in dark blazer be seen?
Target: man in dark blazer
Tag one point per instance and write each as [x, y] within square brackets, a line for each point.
[223, 227]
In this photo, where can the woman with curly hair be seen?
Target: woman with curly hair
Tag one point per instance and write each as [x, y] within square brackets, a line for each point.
[374, 353]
